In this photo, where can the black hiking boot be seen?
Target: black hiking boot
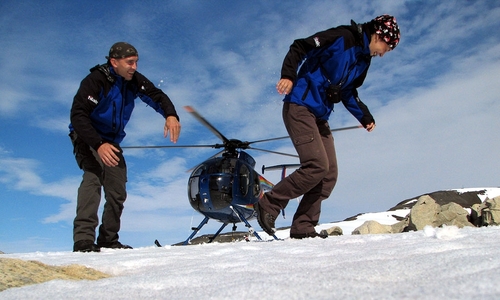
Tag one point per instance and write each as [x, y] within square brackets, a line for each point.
[114, 245]
[86, 246]
[322, 234]
[265, 219]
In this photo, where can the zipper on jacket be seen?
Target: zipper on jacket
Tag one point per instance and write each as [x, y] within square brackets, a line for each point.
[114, 116]
[304, 96]
[124, 96]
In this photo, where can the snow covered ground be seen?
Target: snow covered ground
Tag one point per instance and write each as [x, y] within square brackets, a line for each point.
[436, 263]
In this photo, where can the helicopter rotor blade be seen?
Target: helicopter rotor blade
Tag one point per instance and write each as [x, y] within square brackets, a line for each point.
[284, 137]
[216, 154]
[274, 152]
[170, 146]
[346, 128]
[202, 120]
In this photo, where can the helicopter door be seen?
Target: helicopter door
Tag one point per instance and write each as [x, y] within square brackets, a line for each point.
[248, 183]
[244, 178]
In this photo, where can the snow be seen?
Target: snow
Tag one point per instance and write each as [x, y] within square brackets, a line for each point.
[435, 263]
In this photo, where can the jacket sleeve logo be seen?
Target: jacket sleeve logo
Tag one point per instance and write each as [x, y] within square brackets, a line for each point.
[316, 41]
[92, 99]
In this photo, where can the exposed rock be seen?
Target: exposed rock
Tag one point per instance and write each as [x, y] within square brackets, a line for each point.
[352, 218]
[486, 213]
[426, 211]
[400, 226]
[372, 227]
[475, 214]
[452, 214]
[398, 217]
[465, 200]
[335, 230]
[423, 213]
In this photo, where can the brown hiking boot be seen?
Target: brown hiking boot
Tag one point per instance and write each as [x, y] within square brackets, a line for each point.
[265, 219]
[323, 234]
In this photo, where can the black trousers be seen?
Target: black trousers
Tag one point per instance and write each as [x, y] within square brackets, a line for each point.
[97, 177]
[317, 175]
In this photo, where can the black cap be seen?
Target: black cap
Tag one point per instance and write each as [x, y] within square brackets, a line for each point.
[122, 50]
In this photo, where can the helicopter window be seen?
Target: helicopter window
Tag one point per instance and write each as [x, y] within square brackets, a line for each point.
[194, 189]
[224, 165]
[244, 180]
[221, 183]
[256, 185]
[198, 171]
[221, 190]
[227, 165]
[214, 168]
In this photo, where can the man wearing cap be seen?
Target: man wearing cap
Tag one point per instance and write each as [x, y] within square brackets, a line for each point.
[333, 64]
[101, 109]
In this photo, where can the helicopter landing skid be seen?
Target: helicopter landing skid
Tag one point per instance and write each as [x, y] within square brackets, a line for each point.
[240, 216]
[195, 230]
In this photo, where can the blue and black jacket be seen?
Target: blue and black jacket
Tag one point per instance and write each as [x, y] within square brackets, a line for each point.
[104, 103]
[336, 55]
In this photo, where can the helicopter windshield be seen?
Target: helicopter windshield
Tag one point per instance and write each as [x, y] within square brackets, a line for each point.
[221, 191]
[211, 184]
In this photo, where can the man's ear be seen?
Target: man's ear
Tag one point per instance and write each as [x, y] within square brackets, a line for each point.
[113, 62]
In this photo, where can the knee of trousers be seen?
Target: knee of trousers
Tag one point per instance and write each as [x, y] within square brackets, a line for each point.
[92, 178]
[329, 183]
[317, 173]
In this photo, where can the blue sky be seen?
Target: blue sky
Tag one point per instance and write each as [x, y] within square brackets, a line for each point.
[434, 100]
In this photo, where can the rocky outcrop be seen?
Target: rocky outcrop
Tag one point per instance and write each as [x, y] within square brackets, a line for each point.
[466, 200]
[486, 213]
[427, 211]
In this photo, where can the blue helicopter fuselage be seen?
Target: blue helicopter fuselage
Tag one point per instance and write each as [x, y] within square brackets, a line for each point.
[226, 187]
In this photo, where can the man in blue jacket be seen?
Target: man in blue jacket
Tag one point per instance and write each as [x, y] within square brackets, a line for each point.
[333, 64]
[101, 109]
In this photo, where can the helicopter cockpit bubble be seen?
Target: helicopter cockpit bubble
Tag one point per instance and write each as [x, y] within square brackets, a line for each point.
[210, 185]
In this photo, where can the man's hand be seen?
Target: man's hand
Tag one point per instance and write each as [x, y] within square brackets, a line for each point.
[284, 86]
[370, 127]
[173, 126]
[107, 153]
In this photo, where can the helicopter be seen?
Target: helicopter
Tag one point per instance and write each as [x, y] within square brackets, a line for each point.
[226, 186]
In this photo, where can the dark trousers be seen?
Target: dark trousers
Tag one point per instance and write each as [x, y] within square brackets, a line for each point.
[317, 175]
[97, 176]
